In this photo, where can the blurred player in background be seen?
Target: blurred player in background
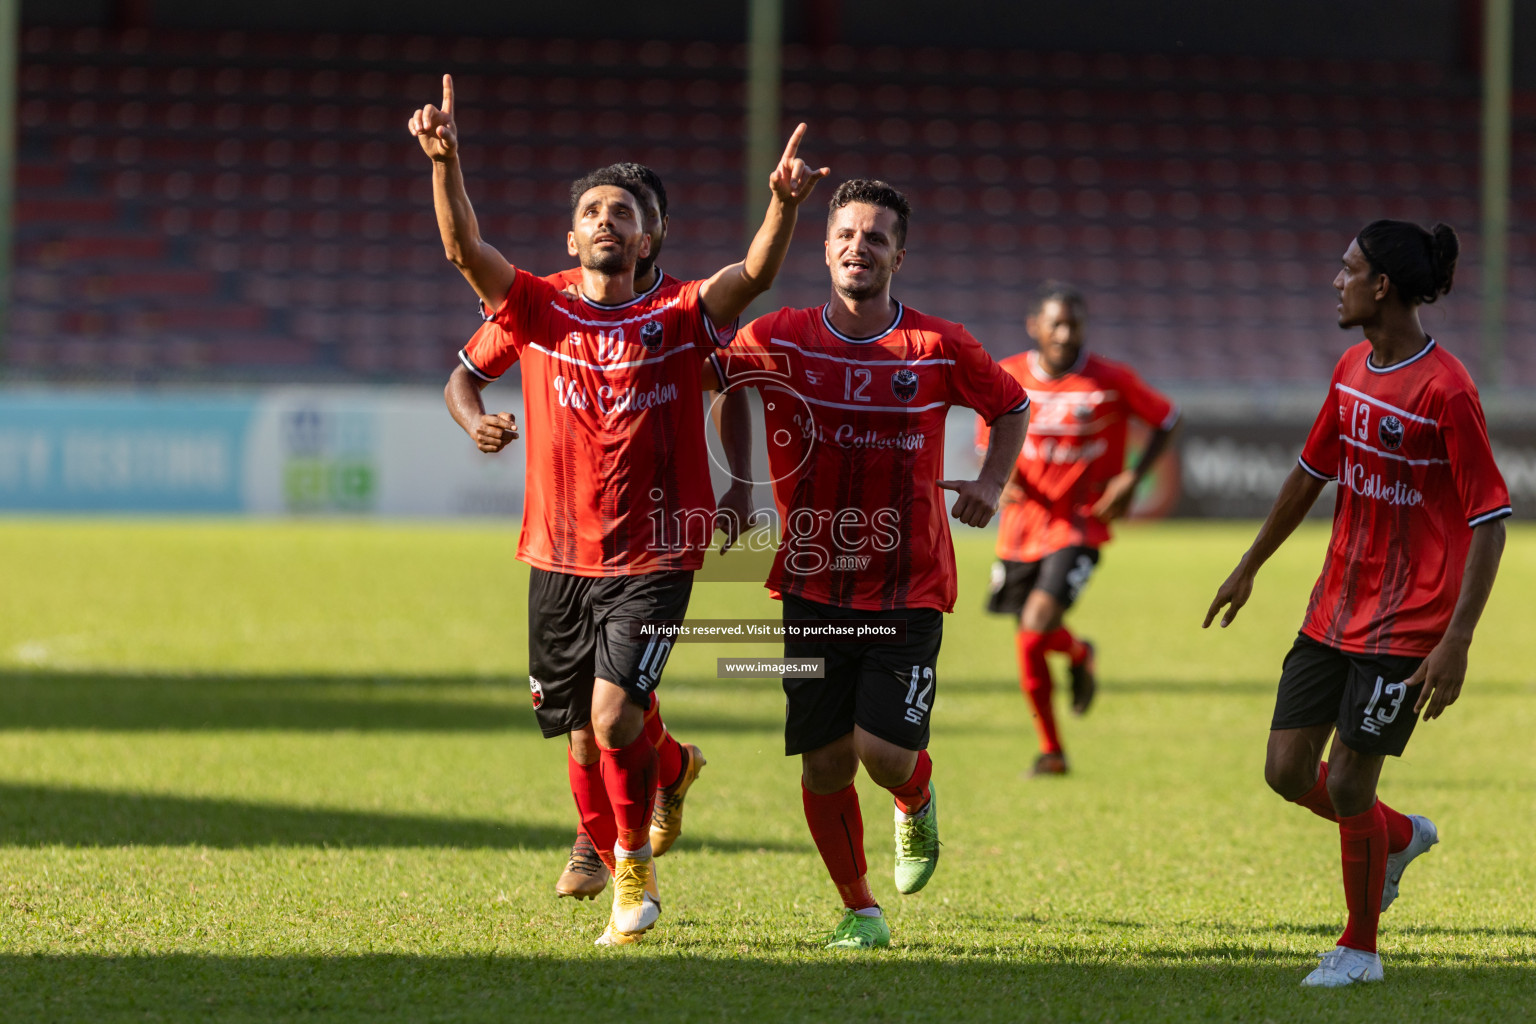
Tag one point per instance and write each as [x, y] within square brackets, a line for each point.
[855, 394]
[1417, 535]
[1069, 483]
[586, 870]
[618, 509]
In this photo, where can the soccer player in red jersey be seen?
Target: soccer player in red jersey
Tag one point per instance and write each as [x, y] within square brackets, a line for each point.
[619, 511]
[586, 871]
[855, 394]
[1417, 535]
[1069, 483]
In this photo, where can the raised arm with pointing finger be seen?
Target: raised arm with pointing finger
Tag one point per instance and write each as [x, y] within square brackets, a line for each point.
[482, 266]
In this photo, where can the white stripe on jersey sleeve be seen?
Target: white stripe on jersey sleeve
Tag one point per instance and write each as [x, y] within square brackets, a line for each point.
[1303, 464]
[1488, 517]
[472, 368]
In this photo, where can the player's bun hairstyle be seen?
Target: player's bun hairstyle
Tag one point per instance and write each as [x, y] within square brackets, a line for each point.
[1058, 291]
[1421, 265]
[644, 176]
[610, 175]
[875, 193]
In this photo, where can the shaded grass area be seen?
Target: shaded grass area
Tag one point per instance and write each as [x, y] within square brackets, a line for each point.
[1229, 983]
[49, 816]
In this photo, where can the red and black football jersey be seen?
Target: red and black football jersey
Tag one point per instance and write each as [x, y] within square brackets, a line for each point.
[1075, 446]
[856, 447]
[1408, 447]
[618, 473]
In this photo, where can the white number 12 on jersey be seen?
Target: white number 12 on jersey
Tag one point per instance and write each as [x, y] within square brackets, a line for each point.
[852, 393]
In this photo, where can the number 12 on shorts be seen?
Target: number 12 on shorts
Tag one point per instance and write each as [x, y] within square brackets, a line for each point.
[917, 702]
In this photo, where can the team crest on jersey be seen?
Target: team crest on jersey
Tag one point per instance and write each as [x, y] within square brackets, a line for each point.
[537, 689]
[904, 385]
[650, 335]
[1390, 430]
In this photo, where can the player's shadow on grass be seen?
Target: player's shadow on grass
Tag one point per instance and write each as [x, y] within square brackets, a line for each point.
[46, 815]
[820, 986]
[128, 702]
[1332, 929]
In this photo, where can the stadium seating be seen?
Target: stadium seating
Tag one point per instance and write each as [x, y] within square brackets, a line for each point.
[249, 207]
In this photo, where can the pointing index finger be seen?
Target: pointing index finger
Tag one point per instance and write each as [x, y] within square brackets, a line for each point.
[794, 144]
[448, 95]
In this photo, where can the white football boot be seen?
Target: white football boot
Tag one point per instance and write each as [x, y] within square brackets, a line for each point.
[1425, 835]
[1343, 966]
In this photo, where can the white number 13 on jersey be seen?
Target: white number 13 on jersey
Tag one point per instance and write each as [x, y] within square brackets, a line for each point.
[1360, 421]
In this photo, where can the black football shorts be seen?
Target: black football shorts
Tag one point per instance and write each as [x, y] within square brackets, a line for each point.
[1062, 574]
[581, 629]
[1364, 696]
[887, 689]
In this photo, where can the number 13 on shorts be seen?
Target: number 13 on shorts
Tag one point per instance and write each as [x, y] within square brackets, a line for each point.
[918, 691]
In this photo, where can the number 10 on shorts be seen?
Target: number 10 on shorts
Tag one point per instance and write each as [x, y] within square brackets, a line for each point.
[917, 700]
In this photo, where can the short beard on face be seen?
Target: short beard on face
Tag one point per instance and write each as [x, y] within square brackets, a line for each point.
[605, 262]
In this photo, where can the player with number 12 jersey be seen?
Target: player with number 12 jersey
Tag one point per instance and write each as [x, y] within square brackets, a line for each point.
[855, 394]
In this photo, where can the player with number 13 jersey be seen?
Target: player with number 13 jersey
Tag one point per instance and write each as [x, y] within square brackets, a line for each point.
[1418, 532]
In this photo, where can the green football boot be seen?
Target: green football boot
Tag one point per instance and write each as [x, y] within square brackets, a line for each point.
[917, 846]
[856, 931]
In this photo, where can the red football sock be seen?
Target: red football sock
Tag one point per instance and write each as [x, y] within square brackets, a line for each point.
[856, 894]
[655, 728]
[593, 806]
[1062, 641]
[1317, 800]
[912, 795]
[1363, 846]
[837, 828]
[1399, 829]
[1035, 681]
[668, 750]
[629, 776]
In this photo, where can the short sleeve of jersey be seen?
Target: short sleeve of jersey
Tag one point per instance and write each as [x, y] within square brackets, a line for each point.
[1320, 454]
[500, 340]
[1147, 404]
[978, 382]
[702, 330]
[1479, 484]
[747, 358]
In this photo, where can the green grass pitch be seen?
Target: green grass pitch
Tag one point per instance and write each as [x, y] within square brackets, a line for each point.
[288, 771]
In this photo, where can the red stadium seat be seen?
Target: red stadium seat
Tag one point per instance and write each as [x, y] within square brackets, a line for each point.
[215, 164]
